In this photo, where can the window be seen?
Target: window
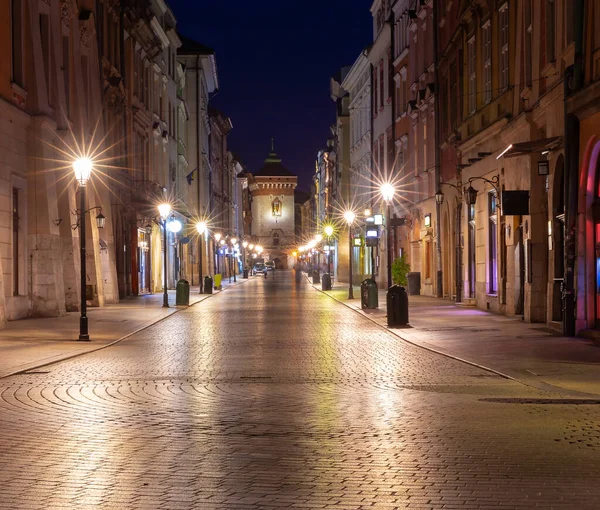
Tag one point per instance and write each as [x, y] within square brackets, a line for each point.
[428, 259]
[472, 58]
[390, 151]
[503, 29]
[374, 94]
[471, 244]
[381, 154]
[275, 239]
[528, 42]
[487, 62]
[569, 20]
[15, 240]
[453, 106]
[86, 86]
[67, 72]
[17, 41]
[45, 39]
[493, 241]
[381, 84]
[550, 29]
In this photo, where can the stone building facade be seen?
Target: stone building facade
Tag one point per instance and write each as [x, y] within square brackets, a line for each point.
[273, 211]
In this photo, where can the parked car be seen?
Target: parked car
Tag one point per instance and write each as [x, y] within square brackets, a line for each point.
[270, 265]
[258, 268]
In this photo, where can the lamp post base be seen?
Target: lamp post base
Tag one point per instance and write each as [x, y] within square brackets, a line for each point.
[83, 330]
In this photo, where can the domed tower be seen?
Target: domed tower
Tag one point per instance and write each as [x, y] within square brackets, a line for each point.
[272, 189]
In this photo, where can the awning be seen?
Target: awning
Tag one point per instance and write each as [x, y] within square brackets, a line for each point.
[524, 148]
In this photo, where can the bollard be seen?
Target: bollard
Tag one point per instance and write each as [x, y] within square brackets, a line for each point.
[316, 276]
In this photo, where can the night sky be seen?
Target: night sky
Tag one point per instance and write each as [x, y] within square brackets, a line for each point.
[274, 60]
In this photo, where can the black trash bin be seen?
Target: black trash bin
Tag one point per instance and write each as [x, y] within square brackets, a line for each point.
[316, 276]
[368, 294]
[245, 273]
[182, 293]
[208, 285]
[397, 306]
[326, 281]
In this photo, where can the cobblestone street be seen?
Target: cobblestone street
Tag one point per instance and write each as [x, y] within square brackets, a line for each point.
[273, 395]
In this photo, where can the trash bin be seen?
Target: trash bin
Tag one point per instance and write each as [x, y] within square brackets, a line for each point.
[368, 294]
[208, 285]
[298, 275]
[397, 306]
[326, 281]
[316, 277]
[182, 293]
[245, 273]
[218, 281]
[414, 283]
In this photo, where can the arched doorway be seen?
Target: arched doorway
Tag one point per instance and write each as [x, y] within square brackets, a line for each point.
[447, 254]
[588, 267]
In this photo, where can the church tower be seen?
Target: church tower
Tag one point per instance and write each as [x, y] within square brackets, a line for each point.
[272, 189]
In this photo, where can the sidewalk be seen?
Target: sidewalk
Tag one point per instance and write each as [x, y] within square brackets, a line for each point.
[530, 353]
[32, 343]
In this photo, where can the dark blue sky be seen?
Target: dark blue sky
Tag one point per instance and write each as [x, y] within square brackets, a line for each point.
[274, 60]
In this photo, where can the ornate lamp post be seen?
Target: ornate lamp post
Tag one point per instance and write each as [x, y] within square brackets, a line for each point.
[201, 228]
[234, 242]
[329, 233]
[83, 169]
[163, 211]
[350, 216]
[387, 193]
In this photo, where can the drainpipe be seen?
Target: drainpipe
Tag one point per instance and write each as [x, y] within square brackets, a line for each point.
[438, 180]
[573, 81]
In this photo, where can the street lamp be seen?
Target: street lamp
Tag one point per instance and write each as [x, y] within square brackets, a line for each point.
[217, 237]
[83, 169]
[245, 246]
[387, 193]
[233, 250]
[329, 233]
[350, 216]
[201, 228]
[164, 210]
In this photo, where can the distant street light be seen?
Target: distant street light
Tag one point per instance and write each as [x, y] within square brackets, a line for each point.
[201, 228]
[387, 193]
[163, 211]
[350, 216]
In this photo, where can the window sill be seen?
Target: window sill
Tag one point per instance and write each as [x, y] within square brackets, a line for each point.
[19, 94]
[492, 294]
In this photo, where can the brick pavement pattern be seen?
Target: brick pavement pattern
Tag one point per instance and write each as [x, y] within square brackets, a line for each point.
[272, 395]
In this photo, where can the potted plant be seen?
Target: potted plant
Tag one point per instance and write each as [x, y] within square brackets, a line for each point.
[400, 270]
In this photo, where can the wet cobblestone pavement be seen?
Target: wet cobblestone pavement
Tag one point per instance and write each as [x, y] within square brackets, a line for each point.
[272, 395]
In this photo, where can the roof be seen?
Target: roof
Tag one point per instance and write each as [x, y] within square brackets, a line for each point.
[191, 47]
[273, 166]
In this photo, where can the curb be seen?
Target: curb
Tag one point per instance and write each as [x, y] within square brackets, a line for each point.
[110, 344]
[430, 349]
[542, 386]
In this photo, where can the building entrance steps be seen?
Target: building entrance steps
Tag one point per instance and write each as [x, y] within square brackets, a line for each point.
[32, 343]
[529, 352]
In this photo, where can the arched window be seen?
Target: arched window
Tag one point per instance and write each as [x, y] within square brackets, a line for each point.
[275, 239]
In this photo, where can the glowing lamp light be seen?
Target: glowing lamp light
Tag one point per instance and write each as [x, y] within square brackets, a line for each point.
[367, 212]
[295, 253]
[349, 216]
[319, 238]
[251, 246]
[174, 226]
[218, 236]
[201, 227]
[83, 169]
[387, 192]
[328, 230]
[164, 210]
[234, 241]
[222, 241]
[100, 220]
[245, 244]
